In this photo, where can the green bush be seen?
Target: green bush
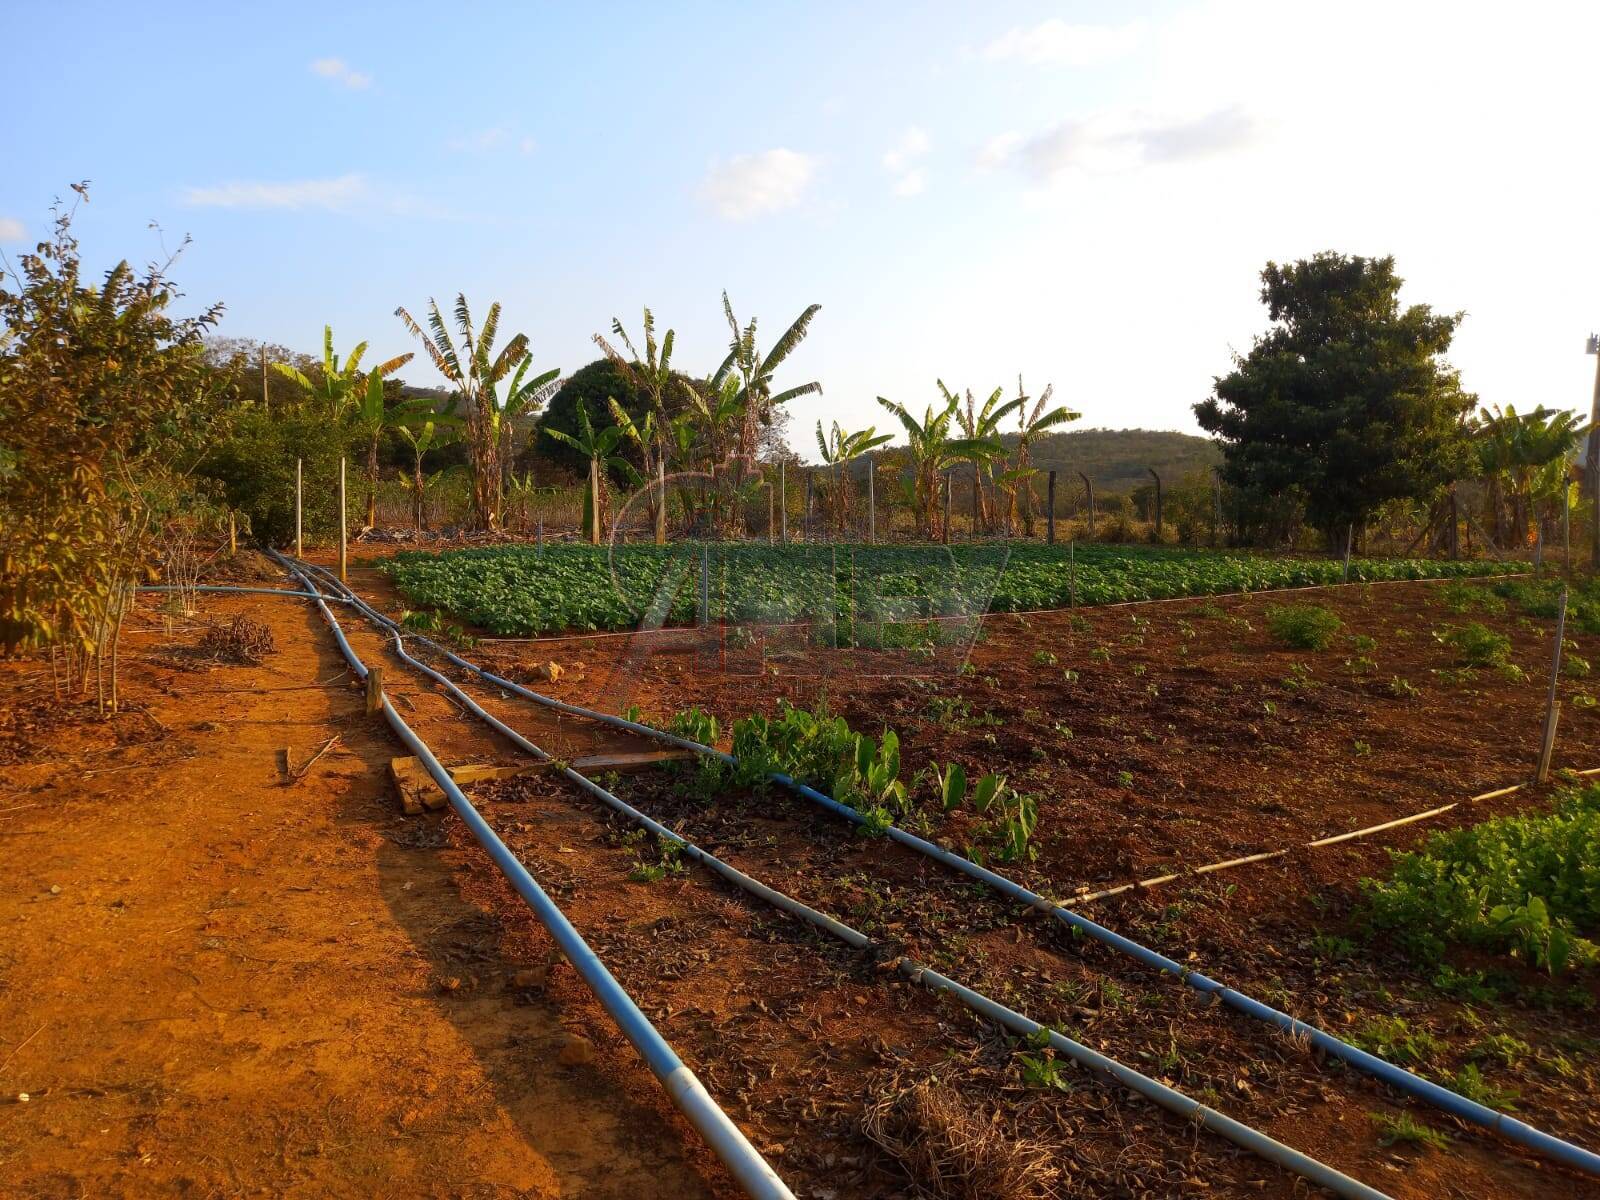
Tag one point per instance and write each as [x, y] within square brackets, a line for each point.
[1476, 645]
[1303, 626]
[1525, 886]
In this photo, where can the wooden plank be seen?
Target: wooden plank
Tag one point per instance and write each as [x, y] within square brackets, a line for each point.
[417, 790]
[635, 761]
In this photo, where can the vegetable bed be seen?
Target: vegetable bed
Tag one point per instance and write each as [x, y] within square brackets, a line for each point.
[528, 591]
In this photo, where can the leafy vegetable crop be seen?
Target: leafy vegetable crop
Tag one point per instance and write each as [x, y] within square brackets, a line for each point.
[860, 594]
[1528, 886]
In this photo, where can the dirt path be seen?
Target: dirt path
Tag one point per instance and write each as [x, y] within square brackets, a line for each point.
[214, 985]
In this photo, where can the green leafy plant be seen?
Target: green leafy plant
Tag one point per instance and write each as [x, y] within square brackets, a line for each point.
[1394, 1038]
[1042, 1069]
[1303, 626]
[1524, 886]
[1475, 644]
[1406, 1129]
[952, 787]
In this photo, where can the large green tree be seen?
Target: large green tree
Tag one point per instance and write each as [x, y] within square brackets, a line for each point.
[1346, 402]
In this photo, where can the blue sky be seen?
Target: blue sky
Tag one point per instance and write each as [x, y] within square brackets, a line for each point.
[1080, 192]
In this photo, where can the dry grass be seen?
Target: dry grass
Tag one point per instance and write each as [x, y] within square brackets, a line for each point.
[241, 640]
[951, 1150]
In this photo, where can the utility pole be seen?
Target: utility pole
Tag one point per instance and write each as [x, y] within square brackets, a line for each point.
[264, 403]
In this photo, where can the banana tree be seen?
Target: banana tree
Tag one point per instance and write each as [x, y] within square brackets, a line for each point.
[838, 449]
[600, 448]
[982, 425]
[435, 433]
[338, 387]
[370, 419]
[524, 398]
[754, 372]
[1524, 455]
[473, 371]
[933, 451]
[651, 374]
[1031, 425]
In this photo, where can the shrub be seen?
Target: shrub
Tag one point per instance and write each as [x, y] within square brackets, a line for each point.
[1526, 886]
[1303, 626]
[1476, 645]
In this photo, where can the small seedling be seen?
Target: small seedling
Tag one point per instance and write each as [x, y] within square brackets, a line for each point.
[1408, 1130]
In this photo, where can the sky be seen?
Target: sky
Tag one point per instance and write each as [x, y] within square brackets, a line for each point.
[1083, 193]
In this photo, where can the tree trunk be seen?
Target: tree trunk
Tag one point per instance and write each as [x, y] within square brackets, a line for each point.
[416, 494]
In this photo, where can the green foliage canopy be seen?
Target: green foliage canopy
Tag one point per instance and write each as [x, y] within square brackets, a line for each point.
[1346, 401]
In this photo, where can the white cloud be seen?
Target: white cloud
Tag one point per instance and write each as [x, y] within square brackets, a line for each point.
[483, 141]
[342, 72]
[912, 183]
[11, 229]
[903, 158]
[749, 185]
[480, 141]
[330, 194]
[913, 144]
[1109, 142]
[1055, 41]
[997, 151]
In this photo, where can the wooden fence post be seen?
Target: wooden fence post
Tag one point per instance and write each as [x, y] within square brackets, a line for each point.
[872, 502]
[1566, 531]
[1216, 506]
[1349, 538]
[1552, 710]
[783, 503]
[1050, 515]
[343, 536]
[772, 517]
[705, 585]
[374, 691]
[947, 479]
[810, 481]
[1089, 489]
[299, 549]
[594, 502]
[1157, 478]
[233, 535]
[661, 502]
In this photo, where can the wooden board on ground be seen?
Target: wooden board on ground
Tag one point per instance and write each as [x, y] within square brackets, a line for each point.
[417, 790]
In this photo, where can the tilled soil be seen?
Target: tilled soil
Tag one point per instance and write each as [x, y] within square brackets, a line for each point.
[434, 1044]
[1207, 716]
[215, 985]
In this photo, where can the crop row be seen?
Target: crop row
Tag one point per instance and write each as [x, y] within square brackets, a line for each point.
[527, 591]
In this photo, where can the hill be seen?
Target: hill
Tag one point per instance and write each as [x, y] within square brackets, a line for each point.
[1117, 459]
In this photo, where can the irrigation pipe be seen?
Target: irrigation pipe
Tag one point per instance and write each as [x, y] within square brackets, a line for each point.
[1158, 1093]
[1269, 855]
[1551, 1147]
[258, 591]
[743, 1161]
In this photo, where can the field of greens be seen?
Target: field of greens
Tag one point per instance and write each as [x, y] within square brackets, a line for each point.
[516, 591]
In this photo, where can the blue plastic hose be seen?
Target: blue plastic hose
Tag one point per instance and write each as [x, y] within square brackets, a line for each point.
[1169, 1098]
[1552, 1147]
[685, 1090]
